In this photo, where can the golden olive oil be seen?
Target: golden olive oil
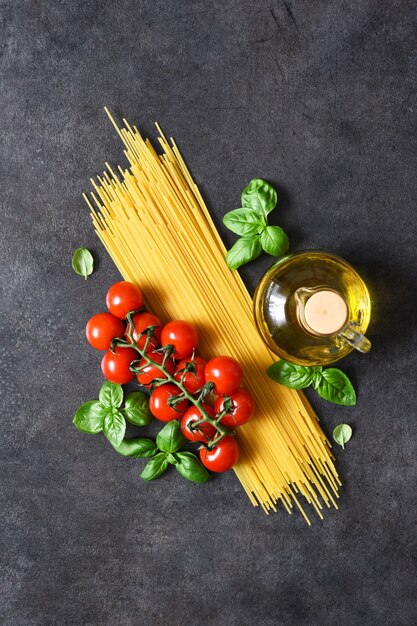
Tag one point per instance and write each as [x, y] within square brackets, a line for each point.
[277, 307]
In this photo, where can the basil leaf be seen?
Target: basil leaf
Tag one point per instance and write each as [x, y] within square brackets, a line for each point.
[155, 467]
[142, 448]
[82, 262]
[136, 409]
[290, 375]
[89, 417]
[114, 427]
[111, 395]
[259, 195]
[274, 241]
[316, 376]
[336, 387]
[244, 222]
[170, 438]
[342, 434]
[191, 468]
[244, 250]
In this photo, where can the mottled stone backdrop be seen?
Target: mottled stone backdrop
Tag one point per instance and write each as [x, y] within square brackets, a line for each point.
[317, 97]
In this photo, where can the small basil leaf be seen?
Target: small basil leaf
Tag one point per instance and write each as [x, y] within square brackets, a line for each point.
[82, 262]
[290, 375]
[155, 467]
[171, 459]
[274, 241]
[111, 395]
[114, 427]
[336, 387]
[259, 195]
[342, 434]
[244, 250]
[191, 468]
[244, 222]
[170, 438]
[89, 417]
[142, 448]
[136, 408]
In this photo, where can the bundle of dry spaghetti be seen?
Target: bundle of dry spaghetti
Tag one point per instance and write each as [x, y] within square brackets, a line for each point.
[153, 222]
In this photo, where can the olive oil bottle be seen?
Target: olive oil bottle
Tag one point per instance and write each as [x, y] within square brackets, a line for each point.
[312, 308]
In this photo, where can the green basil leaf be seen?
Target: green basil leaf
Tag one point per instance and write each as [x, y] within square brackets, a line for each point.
[342, 434]
[111, 395]
[82, 262]
[171, 459]
[244, 222]
[155, 467]
[191, 468]
[274, 241]
[170, 438]
[89, 417]
[244, 250]
[141, 448]
[316, 376]
[259, 195]
[136, 408]
[290, 375]
[114, 427]
[336, 387]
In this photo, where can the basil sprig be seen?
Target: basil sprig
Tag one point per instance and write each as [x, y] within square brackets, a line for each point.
[105, 415]
[331, 384]
[169, 440]
[251, 223]
[83, 262]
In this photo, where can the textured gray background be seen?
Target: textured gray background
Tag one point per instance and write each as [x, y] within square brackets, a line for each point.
[318, 97]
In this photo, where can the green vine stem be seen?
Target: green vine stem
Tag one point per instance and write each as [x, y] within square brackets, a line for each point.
[198, 402]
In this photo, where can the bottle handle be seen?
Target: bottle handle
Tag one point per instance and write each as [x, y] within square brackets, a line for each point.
[355, 338]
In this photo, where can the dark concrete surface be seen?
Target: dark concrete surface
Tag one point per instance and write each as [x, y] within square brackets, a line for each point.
[318, 97]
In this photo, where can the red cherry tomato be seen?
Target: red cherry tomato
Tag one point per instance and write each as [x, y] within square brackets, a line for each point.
[150, 372]
[182, 335]
[123, 297]
[115, 367]
[242, 411]
[191, 415]
[158, 403]
[102, 328]
[223, 457]
[226, 374]
[192, 382]
[141, 321]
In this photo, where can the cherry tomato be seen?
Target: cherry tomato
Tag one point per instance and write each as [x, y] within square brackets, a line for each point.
[123, 297]
[182, 335]
[158, 403]
[115, 367]
[191, 415]
[102, 328]
[223, 457]
[242, 411]
[192, 382]
[141, 321]
[151, 371]
[226, 374]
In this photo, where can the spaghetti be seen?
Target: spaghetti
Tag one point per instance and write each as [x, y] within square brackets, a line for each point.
[153, 222]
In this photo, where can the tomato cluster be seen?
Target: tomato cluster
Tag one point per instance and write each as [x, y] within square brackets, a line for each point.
[182, 384]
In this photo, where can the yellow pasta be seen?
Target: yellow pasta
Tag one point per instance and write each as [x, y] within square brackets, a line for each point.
[153, 222]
